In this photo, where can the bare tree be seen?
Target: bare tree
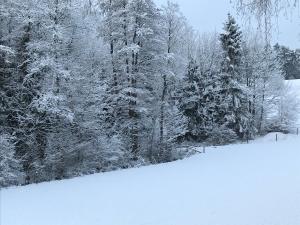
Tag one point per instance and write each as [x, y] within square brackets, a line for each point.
[264, 11]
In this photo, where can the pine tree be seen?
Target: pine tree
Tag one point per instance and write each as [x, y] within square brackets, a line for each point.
[194, 103]
[289, 62]
[233, 102]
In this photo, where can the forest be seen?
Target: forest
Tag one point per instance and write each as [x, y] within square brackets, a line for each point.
[100, 85]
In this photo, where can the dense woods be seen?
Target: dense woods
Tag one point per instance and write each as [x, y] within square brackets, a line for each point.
[93, 86]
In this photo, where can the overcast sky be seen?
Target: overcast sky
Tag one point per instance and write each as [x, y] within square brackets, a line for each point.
[209, 15]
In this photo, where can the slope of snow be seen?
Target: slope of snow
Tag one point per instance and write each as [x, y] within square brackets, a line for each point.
[255, 184]
[246, 184]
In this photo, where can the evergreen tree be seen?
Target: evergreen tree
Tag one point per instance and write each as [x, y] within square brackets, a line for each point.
[289, 62]
[233, 103]
[191, 102]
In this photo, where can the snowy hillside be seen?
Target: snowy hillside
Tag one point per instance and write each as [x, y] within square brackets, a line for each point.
[246, 184]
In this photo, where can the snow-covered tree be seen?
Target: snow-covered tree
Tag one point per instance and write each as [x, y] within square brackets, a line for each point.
[172, 60]
[192, 104]
[134, 48]
[98, 85]
[289, 61]
[10, 167]
[233, 102]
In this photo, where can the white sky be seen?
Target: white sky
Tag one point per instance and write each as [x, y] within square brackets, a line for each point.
[209, 15]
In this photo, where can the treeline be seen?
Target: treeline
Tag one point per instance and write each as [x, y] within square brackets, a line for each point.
[92, 86]
[289, 61]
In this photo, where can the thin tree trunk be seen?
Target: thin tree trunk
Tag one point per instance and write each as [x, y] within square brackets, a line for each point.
[164, 93]
[133, 102]
[262, 110]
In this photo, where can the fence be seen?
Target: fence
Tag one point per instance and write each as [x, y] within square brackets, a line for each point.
[292, 130]
[295, 130]
[202, 149]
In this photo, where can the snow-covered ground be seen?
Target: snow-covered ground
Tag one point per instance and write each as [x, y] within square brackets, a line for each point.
[247, 184]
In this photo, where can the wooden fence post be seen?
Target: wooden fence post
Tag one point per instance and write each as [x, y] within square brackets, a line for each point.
[276, 137]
